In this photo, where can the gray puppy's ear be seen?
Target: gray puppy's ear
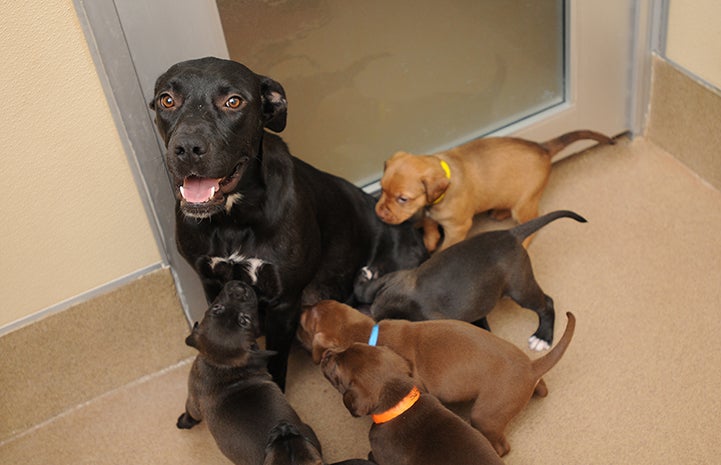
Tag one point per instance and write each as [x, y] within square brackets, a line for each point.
[275, 105]
[192, 340]
[357, 404]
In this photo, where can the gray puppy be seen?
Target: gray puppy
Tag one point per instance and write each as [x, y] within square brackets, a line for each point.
[229, 385]
[465, 282]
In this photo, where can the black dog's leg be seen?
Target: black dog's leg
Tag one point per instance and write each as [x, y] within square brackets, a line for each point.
[185, 421]
[483, 324]
[281, 323]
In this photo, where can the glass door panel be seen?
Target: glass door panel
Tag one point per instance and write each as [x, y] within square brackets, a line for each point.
[367, 78]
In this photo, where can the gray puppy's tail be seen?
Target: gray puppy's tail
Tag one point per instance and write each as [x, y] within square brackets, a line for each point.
[524, 230]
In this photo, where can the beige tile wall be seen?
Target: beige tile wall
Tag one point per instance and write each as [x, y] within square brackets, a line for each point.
[685, 120]
[70, 357]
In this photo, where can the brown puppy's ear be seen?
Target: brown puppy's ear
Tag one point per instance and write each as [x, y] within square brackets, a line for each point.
[192, 340]
[321, 342]
[435, 187]
[357, 404]
[275, 105]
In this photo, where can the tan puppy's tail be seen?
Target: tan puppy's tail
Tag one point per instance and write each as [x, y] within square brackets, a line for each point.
[554, 146]
[545, 363]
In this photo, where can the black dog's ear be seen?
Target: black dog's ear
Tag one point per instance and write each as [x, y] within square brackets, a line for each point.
[192, 340]
[275, 105]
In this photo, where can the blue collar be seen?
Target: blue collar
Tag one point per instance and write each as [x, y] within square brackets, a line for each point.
[373, 340]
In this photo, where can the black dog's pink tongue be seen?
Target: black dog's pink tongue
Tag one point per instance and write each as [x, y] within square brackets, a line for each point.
[199, 190]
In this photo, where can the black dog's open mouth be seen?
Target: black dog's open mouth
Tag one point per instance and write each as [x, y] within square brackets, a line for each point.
[200, 191]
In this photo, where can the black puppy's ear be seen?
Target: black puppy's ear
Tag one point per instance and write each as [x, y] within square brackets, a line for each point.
[275, 105]
[192, 340]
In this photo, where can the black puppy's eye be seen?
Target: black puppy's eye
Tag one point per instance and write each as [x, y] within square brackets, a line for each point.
[244, 320]
[234, 102]
[166, 101]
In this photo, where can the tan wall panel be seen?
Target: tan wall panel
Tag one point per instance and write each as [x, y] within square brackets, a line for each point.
[72, 216]
[694, 37]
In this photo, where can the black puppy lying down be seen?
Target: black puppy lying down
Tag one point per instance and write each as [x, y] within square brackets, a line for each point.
[243, 200]
[287, 446]
[466, 281]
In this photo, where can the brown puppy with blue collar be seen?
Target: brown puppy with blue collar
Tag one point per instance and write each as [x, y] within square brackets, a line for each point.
[453, 360]
[503, 174]
[410, 427]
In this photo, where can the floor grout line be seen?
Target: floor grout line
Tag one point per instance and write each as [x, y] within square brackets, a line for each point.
[78, 407]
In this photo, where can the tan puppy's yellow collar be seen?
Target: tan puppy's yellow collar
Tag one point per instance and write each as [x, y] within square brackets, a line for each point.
[447, 170]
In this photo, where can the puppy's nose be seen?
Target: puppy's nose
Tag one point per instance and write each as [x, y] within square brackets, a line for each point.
[382, 211]
[237, 290]
[190, 146]
[217, 309]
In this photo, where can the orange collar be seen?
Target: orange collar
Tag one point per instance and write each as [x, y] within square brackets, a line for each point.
[405, 403]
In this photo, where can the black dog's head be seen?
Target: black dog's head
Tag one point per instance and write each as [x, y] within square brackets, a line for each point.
[211, 113]
[226, 335]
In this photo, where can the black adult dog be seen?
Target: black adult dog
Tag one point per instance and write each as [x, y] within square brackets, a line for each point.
[244, 201]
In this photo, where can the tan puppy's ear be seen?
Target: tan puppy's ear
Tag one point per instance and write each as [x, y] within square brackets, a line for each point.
[435, 187]
[321, 342]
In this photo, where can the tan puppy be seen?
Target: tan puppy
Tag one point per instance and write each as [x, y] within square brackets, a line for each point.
[410, 426]
[496, 173]
[453, 360]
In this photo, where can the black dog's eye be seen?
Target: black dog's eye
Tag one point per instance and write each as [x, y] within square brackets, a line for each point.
[234, 102]
[166, 101]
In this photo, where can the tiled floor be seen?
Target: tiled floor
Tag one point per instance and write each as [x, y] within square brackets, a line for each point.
[639, 384]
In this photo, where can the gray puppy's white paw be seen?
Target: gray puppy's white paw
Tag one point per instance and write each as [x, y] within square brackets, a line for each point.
[537, 344]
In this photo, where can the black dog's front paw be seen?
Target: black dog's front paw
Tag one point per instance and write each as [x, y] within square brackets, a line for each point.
[185, 421]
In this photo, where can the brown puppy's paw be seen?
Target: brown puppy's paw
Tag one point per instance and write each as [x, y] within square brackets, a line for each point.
[185, 421]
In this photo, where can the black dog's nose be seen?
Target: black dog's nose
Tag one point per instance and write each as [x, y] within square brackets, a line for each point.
[190, 145]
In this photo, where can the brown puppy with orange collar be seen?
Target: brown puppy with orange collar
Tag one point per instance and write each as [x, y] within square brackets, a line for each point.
[495, 173]
[453, 360]
[410, 427]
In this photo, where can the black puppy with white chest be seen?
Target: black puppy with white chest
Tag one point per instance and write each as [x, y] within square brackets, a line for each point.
[466, 281]
[229, 386]
[243, 200]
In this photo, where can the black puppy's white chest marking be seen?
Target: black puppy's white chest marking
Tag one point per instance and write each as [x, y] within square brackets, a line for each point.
[251, 265]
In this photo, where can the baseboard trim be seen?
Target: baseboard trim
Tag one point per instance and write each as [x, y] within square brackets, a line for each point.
[80, 298]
